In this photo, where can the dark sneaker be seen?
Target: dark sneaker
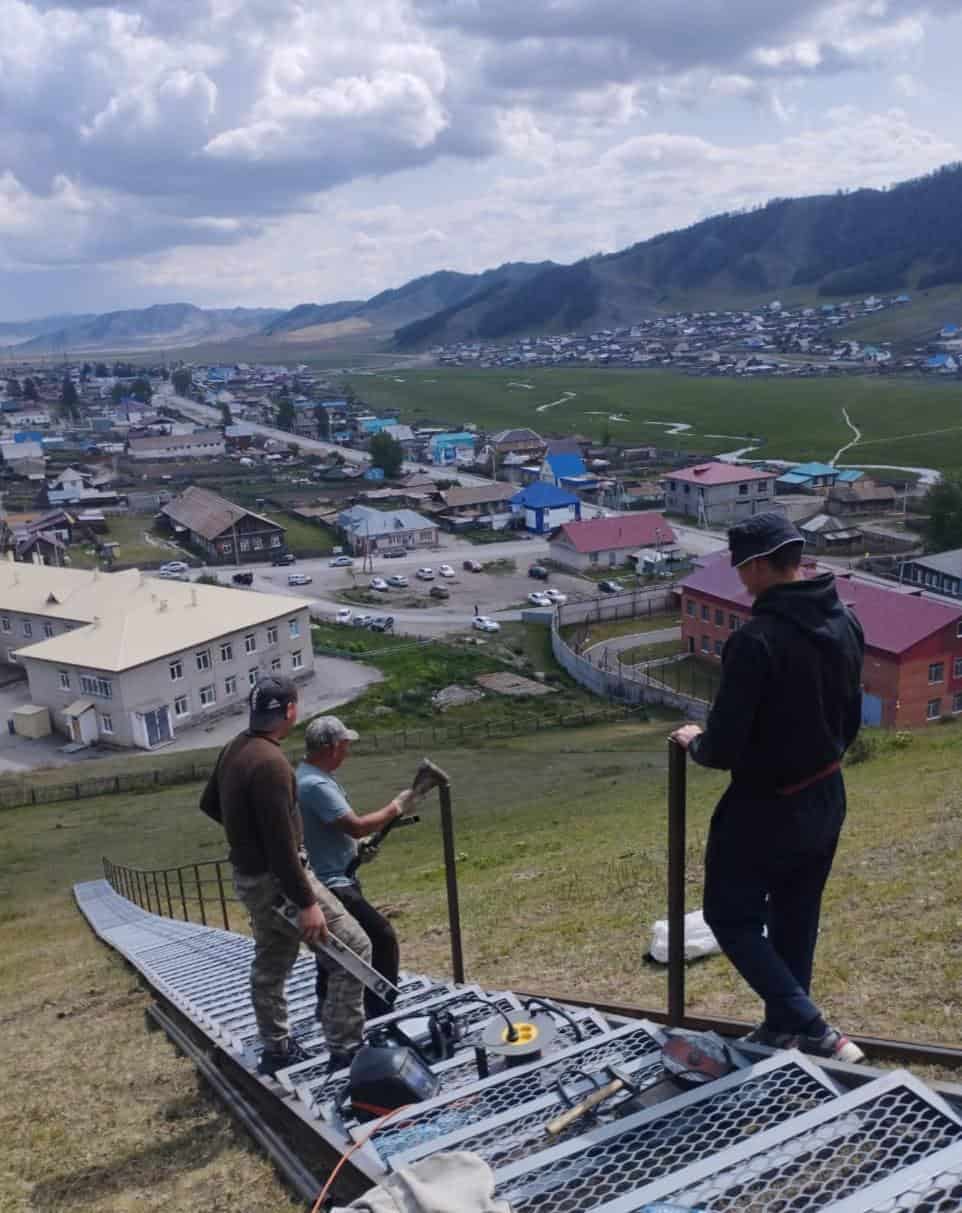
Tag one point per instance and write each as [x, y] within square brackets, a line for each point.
[832, 1045]
[270, 1062]
[772, 1039]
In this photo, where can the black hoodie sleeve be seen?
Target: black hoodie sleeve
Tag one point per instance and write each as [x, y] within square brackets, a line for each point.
[745, 670]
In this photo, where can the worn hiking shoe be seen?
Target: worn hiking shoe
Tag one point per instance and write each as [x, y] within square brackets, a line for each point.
[270, 1062]
[340, 1061]
[832, 1045]
[771, 1039]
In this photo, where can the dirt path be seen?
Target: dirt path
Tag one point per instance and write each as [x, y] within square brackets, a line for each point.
[848, 446]
[562, 399]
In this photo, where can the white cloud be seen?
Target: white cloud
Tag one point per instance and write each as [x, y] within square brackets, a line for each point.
[253, 130]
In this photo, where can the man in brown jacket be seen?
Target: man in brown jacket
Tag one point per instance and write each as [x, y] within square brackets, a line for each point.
[252, 793]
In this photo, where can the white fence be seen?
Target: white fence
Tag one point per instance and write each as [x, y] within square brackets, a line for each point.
[632, 604]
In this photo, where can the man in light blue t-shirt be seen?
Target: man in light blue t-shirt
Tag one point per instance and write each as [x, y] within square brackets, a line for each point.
[331, 830]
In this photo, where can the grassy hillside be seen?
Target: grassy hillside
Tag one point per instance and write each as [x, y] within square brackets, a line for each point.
[914, 422]
[561, 844]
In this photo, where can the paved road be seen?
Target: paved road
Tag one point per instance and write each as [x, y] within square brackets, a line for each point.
[206, 414]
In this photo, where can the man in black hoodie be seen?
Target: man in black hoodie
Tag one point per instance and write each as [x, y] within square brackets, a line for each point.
[788, 707]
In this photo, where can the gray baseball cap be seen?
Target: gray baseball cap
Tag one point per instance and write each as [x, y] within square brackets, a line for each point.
[326, 730]
[268, 702]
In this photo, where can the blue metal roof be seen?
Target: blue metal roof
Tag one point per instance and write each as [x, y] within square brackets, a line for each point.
[813, 469]
[849, 475]
[792, 478]
[539, 496]
[566, 465]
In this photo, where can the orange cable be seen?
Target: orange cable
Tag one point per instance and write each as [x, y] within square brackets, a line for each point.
[356, 1146]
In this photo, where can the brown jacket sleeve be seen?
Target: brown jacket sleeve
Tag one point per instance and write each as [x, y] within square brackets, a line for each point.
[272, 794]
[210, 797]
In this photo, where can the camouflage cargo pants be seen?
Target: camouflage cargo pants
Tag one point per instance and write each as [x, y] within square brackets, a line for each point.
[276, 945]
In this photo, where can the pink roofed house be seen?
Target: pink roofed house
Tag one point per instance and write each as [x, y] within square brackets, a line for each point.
[720, 494]
[609, 542]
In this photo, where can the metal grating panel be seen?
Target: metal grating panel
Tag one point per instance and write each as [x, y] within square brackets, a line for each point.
[816, 1159]
[932, 1186]
[604, 1163]
[491, 1096]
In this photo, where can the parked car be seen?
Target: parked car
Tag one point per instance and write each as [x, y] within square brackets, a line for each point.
[378, 583]
[397, 582]
[363, 621]
[344, 615]
[610, 587]
[243, 579]
[340, 562]
[395, 553]
[472, 566]
[174, 566]
[540, 599]
[283, 558]
[445, 570]
[482, 623]
[557, 597]
[298, 579]
[382, 623]
[440, 591]
[539, 572]
[425, 574]
[172, 575]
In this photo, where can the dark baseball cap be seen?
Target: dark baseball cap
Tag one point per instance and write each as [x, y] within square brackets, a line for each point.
[760, 535]
[268, 701]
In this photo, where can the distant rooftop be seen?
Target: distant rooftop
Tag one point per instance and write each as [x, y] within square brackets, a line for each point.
[718, 473]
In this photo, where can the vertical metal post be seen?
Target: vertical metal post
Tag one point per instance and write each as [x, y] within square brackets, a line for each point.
[200, 895]
[170, 904]
[157, 893]
[223, 902]
[138, 897]
[183, 895]
[677, 778]
[451, 878]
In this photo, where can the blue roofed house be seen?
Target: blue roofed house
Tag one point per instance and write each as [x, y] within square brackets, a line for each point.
[369, 426]
[452, 448]
[849, 475]
[807, 478]
[562, 466]
[948, 331]
[545, 507]
[944, 364]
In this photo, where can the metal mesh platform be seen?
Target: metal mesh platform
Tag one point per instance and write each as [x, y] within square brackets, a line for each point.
[603, 1163]
[775, 1136]
[815, 1159]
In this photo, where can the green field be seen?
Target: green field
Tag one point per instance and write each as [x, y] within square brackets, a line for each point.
[561, 857]
[903, 421]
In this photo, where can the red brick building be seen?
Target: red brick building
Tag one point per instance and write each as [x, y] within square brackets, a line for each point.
[913, 644]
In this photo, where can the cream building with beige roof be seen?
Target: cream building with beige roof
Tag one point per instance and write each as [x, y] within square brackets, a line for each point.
[132, 660]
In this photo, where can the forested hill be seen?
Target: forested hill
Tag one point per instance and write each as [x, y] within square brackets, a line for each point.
[827, 246]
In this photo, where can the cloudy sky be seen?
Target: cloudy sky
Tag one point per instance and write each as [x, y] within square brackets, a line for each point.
[271, 152]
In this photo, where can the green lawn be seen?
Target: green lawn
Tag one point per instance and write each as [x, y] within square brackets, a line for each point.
[561, 860]
[649, 652]
[303, 538]
[128, 530]
[799, 419]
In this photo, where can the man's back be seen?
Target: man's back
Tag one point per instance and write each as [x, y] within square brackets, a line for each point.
[252, 793]
[790, 700]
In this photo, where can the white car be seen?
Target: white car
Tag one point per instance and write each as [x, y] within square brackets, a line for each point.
[425, 574]
[397, 582]
[556, 597]
[445, 570]
[340, 562]
[378, 583]
[298, 579]
[344, 615]
[174, 566]
[540, 599]
[483, 624]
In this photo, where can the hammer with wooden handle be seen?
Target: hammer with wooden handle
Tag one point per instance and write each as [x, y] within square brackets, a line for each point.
[620, 1081]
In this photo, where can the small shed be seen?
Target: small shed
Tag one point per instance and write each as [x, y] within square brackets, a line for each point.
[32, 721]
